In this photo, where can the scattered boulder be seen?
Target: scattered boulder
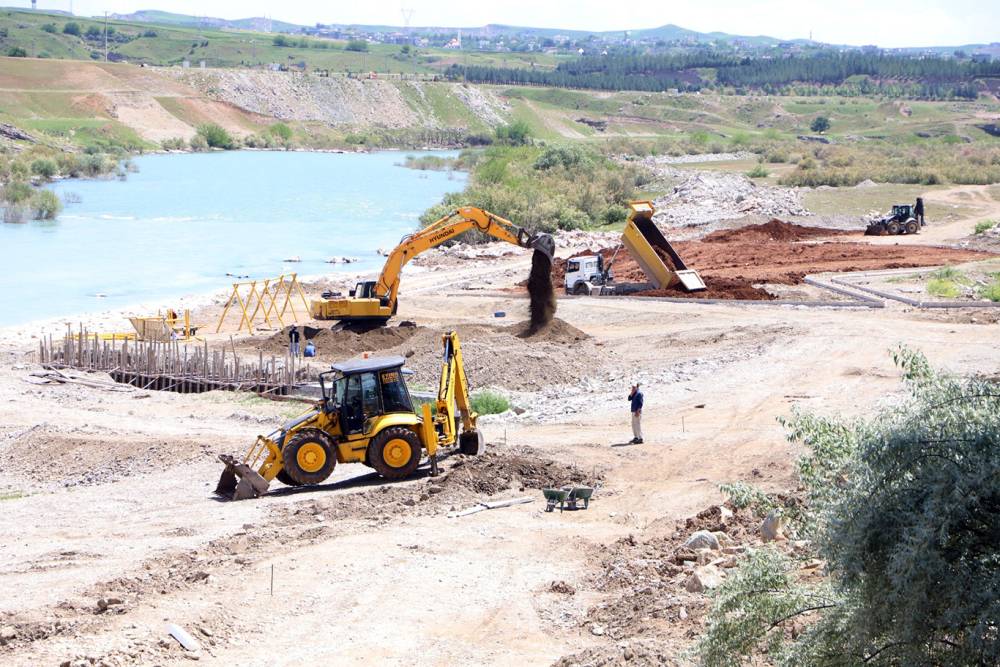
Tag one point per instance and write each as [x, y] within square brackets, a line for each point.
[702, 539]
[7, 634]
[703, 579]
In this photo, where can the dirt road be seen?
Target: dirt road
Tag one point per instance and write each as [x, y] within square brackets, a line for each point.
[365, 572]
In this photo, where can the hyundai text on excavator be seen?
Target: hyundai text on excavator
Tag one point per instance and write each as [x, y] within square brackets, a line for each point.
[366, 416]
[375, 301]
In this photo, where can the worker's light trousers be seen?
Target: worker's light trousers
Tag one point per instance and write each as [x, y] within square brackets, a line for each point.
[637, 425]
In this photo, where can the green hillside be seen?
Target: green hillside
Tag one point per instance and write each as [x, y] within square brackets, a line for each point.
[42, 35]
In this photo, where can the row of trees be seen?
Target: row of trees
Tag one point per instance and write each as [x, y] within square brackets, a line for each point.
[862, 74]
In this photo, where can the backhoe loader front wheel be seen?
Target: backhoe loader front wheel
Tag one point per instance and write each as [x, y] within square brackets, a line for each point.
[308, 457]
[395, 452]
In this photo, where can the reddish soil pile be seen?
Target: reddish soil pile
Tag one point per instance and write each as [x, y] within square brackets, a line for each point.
[775, 230]
[718, 288]
[731, 262]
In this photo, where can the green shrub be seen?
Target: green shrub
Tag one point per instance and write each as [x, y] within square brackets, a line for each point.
[776, 157]
[175, 144]
[820, 124]
[17, 52]
[517, 133]
[984, 226]
[489, 403]
[904, 510]
[943, 287]
[281, 131]
[16, 192]
[198, 143]
[559, 156]
[72, 28]
[614, 214]
[45, 168]
[991, 291]
[45, 205]
[358, 45]
[49, 28]
[759, 171]
[216, 136]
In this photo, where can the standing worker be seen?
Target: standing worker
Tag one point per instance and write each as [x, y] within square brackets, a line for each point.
[293, 341]
[635, 398]
[918, 211]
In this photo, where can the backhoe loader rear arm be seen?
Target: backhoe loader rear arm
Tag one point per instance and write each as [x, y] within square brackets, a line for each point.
[457, 222]
[453, 390]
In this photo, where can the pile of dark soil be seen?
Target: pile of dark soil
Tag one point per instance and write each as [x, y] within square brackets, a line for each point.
[516, 468]
[555, 331]
[717, 288]
[774, 230]
[345, 343]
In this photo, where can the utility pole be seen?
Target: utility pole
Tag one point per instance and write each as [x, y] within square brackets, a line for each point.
[105, 36]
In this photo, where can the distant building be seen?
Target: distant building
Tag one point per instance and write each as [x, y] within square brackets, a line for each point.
[981, 57]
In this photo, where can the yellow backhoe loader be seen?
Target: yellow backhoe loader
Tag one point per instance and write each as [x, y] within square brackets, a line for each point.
[365, 416]
[375, 302]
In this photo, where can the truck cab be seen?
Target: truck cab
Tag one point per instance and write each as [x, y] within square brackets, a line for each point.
[583, 273]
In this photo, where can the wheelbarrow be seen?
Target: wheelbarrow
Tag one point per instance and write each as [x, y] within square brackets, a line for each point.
[555, 497]
[576, 494]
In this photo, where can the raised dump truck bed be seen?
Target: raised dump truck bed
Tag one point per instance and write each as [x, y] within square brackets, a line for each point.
[653, 252]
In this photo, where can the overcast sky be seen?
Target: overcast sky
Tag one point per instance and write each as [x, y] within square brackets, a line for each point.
[884, 22]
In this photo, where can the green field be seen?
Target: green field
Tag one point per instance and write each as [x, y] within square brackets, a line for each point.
[160, 44]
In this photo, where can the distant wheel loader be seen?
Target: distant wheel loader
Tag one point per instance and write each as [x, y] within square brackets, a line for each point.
[365, 416]
[591, 275]
[904, 219]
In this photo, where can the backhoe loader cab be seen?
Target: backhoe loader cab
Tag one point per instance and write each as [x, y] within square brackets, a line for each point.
[365, 416]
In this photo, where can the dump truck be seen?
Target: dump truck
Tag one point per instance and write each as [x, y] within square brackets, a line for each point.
[376, 301]
[903, 219]
[591, 275]
[365, 415]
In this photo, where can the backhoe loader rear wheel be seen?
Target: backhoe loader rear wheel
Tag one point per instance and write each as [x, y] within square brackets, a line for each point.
[308, 457]
[395, 452]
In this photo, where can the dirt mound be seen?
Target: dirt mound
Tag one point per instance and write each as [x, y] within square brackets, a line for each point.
[774, 230]
[344, 343]
[517, 468]
[497, 356]
[717, 288]
[555, 331]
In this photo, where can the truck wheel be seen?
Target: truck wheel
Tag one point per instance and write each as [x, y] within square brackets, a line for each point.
[894, 228]
[581, 289]
[912, 227]
[308, 457]
[395, 452]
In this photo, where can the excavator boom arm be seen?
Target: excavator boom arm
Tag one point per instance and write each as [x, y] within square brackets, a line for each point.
[455, 223]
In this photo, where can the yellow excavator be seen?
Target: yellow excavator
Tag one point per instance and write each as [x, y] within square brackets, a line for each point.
[375, 301]
[365, 416]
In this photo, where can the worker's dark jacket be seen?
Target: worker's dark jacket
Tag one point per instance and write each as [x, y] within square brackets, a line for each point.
[636, 399]
[293, 335]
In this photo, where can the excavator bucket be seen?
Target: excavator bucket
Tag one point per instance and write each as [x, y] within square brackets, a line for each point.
[653, 252]
[543, 243]
[239, 481]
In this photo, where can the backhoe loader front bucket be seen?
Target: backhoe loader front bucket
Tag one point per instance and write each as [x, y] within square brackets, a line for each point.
[653, 252]
[239, 481]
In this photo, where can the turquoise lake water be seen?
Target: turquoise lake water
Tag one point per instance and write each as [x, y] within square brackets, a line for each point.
[180, 224]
